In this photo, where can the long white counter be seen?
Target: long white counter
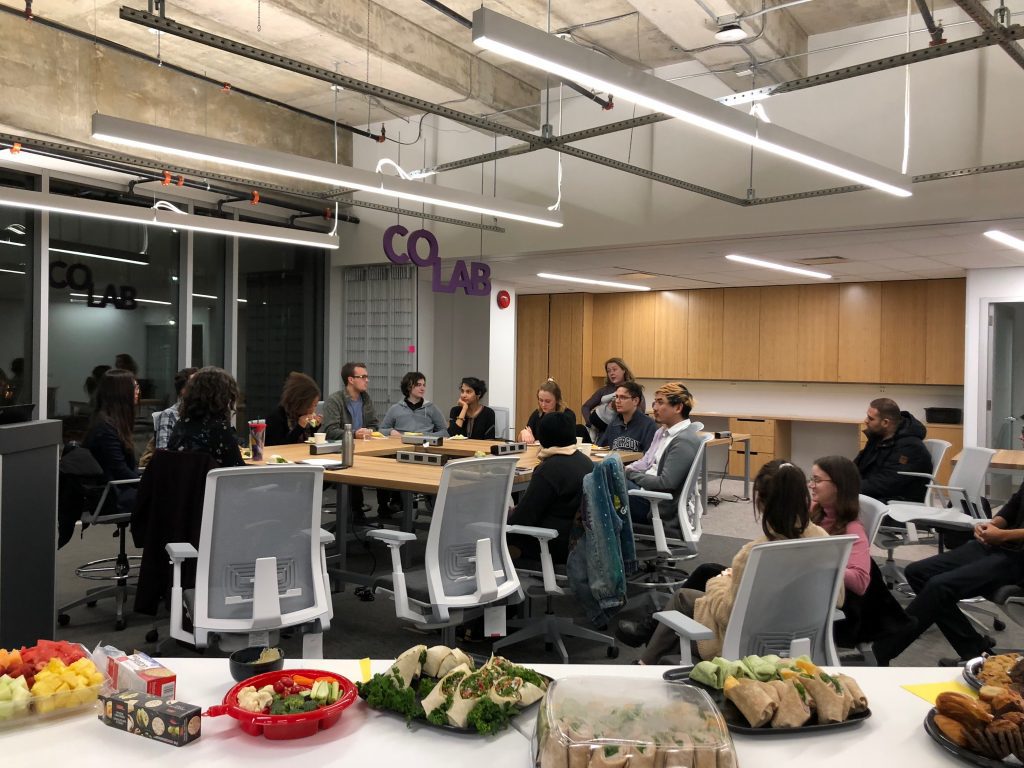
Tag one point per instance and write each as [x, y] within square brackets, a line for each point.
[893, 736]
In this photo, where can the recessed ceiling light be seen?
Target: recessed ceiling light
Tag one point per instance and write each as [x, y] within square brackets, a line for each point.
[780, 267]
[1005, 239]
[588, 281]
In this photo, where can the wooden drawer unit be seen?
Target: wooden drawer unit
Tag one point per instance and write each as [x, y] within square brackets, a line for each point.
[769, 439]
[752, 427]
[757, 460]
[762, 443]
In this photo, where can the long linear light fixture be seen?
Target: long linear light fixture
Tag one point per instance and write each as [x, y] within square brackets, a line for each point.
[98, 209]
[119, 131]
[528, 45]
[141, 301]
[125, 257]
[779, 267]
[1001, 237]
[588, 281]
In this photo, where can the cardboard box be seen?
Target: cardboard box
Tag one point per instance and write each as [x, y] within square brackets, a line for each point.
[139, 672]
[172, 722]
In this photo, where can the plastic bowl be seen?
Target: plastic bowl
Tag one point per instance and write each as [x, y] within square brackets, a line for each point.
[286, 726]
[243, 663]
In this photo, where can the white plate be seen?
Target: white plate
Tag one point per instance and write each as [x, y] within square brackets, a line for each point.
[325, 463]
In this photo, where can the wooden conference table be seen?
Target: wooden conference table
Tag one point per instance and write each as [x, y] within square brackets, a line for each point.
[894, 734]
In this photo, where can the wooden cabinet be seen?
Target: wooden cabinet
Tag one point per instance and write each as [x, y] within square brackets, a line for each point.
[741, 320]
[818, 328]
[904, 322]
[704, 334]
[946, 317]
[607, 330]
[565, 348]
[780, 325]
[769, 439]
[532, 329]
[671, 330]
[860, 332]
[638, 331]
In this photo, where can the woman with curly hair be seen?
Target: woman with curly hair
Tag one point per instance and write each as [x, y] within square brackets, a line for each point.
[204, 423]
[109, 438]
[295, 419]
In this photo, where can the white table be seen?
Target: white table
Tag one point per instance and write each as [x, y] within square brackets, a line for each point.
[894, 735]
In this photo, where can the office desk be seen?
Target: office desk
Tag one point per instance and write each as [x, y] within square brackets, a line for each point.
[1008, 460]
[894, 734]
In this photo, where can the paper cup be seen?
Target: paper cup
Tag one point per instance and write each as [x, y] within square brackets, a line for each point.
[584, 448]
[319, 437]
[579, 441]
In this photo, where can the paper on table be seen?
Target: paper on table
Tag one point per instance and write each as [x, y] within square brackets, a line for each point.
[930, 691]
[364, 669]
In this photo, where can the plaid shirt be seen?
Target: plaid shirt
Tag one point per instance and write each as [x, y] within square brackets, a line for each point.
[165, 422]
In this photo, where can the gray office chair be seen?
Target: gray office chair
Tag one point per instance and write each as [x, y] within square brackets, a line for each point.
[501, 422]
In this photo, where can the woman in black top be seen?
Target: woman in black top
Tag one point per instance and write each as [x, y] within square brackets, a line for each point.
[470, 417]
[555, 492]
[549, 400]
[295, 419]
[109, 438]
[205, 420]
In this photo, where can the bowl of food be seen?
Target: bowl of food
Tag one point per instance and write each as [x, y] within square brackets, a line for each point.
[253, 661]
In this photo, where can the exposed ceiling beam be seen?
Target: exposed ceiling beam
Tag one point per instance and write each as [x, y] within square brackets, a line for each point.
[987, 22]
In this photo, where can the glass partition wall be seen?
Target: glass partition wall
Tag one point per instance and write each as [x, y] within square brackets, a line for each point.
[16, 305]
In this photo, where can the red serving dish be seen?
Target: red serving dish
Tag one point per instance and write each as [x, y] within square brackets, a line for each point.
[285, 726]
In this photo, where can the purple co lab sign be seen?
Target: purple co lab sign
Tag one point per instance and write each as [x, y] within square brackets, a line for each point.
[474, 280]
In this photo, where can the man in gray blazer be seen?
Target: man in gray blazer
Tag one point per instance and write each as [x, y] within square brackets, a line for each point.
[667, 463]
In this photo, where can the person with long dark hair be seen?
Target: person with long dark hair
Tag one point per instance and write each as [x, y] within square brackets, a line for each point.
[782, 503]
[110, 437]
[295, 420]
[204, 423]
[835, 506]
[414, 413]
[470, 417]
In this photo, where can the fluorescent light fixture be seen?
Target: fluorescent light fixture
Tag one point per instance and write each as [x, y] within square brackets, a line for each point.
[141, 301]
[127, 132]
[91, 255]
[97, 209]
[780, 267]
[13, 271]
[588, 281]
[203, 296]
[11, 242]
[1005, 239]
[531, 46]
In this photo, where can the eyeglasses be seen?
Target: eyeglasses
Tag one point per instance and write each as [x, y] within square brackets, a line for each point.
[624, 397]
[817, 481]
[364, 376]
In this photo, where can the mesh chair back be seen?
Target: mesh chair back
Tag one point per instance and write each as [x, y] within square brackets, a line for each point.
[788, 591]
[969, 474]
[691, 504]
[471, 505]
[871, 513]
[501, 419]
[259, 512]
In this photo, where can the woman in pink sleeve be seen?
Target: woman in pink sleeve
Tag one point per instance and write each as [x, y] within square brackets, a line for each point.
[835, 485]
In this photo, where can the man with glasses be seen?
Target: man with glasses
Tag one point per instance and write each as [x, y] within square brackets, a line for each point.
[631, 429]
[351, 405]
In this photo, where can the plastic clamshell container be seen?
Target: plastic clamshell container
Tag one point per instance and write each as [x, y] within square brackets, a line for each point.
[57, 705]
[286, 726]
[598, 721]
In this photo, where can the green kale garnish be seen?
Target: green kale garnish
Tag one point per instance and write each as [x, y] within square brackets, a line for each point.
[488, 717]
[426, 686]
[385, 692]
[528, 675]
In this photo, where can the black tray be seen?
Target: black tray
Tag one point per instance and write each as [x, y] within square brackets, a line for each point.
[973, 667]
[448, 726]
[963, 753]
[737, 723]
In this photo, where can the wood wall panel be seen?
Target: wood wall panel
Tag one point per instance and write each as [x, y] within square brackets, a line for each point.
[638, 330]
[944, 336]
[704, 334]
[607, 330]
[671, 323]
[741, 320]
[860, 332]
[532, 319]
[904, 321]
[818, 318]
[780, 325]
[565, 355]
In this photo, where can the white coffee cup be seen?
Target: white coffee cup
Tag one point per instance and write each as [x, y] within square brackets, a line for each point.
[579, 441]
[584, 448]
[319, 437]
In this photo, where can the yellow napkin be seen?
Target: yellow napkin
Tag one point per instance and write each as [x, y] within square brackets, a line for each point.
[930, 691]
[364, 669]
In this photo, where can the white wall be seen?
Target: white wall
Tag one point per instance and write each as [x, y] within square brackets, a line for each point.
[501, 368]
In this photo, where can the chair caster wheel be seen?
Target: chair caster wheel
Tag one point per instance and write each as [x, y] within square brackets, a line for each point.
[91, 604]
[613, 651]
[998, 625]
[63, 619]
[120, 624]
[152, 636]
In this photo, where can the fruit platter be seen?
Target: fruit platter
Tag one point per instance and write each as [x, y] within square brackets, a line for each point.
[443, 688]
[49, 679]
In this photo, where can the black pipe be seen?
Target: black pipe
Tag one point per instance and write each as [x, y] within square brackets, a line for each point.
[929, 22]
[460, 19]
[188, 72]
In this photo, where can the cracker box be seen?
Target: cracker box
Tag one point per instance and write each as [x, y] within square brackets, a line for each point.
[172, 722]
[139, 672]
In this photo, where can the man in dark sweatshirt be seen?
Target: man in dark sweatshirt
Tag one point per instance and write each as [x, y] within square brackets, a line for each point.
[895, 444]
[631, 429]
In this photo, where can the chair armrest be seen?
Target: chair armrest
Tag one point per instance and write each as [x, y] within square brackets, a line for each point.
[128, 481]
[541, 534]
[179, 551]
[926, 475]
[326, 537]
[389, 537]
[684, 626]
[650, 494]
[936, 487]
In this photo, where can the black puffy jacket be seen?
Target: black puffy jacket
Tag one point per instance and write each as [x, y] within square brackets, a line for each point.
[882, 460]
